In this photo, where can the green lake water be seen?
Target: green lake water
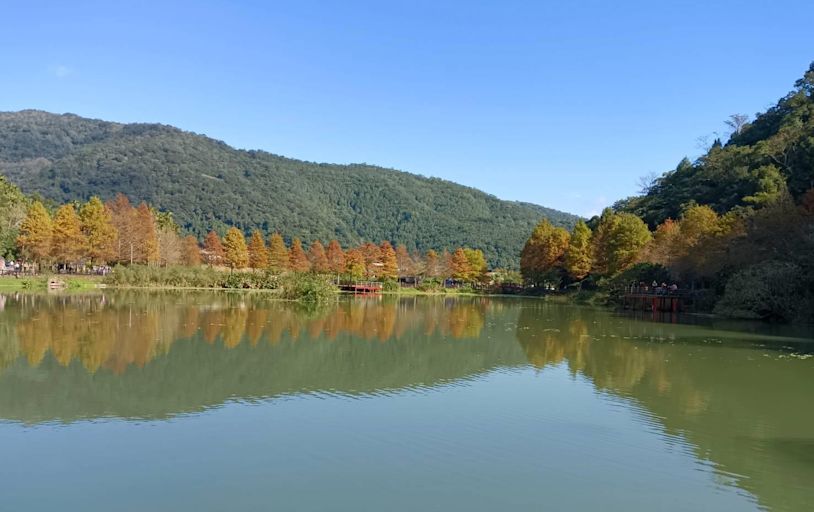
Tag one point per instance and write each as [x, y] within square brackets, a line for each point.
[205, 401]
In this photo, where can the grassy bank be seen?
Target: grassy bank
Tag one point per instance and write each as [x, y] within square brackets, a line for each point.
[41, 282]
[290, 286]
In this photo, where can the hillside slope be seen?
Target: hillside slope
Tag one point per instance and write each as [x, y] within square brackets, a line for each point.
[206, 183]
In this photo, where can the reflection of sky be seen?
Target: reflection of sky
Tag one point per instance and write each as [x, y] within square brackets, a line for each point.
[510, 439]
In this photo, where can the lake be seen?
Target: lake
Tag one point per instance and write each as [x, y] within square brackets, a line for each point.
[208, 401]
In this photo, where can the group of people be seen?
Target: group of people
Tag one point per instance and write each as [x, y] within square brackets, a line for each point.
[655, 287]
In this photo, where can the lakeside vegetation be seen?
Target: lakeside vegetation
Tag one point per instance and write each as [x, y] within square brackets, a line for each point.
[738, 222]
[149, 250]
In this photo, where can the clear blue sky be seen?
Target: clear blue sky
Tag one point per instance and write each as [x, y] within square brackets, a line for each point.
[558, 104]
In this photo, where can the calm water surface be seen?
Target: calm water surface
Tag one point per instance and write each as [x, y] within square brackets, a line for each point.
[134, 401]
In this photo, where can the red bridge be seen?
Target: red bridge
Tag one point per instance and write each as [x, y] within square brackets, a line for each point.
[362, 287]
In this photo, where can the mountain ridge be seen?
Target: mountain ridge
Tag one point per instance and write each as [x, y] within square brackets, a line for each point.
[208, 184]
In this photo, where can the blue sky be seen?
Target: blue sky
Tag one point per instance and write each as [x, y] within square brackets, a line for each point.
[564, 104]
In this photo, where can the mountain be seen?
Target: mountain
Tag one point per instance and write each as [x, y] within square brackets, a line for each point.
[208, 184]
[767, 157]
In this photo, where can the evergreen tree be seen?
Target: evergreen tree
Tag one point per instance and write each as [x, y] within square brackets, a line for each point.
[69, 243]
[99, 231]
[318, 258]
[213, 249]
[389, 269]
[191, 255]
[278, 254]
[297, 260]
[258, 252]
[234, 245]
[13, 208]
[36, 233]
[578, 256]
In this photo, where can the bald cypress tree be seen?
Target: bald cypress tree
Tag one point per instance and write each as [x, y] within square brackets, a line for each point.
[213, 249]
[390, 268]
[99, 231]
[234, 245]
[297, 260]
[69, 243]
[191, 252]
[258, 252]
[318, 258]
[36, 233]
[278, 254]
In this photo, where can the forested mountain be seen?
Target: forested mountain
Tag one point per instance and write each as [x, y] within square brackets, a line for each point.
[207, 184]
[736, 226]
[763, 159]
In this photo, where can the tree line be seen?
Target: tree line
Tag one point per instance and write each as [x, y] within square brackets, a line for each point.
[94, 233]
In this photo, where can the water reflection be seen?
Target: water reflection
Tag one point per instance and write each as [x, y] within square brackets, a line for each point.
[741, 400]
[115, 331]
[152, 355]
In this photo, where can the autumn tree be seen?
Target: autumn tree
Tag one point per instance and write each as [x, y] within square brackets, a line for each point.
[431, 270]
[213, 249]
[145, 236]
[258, 252]
[628, 236]
[600, 239]
[373, 259]
[36, 233]
[297, 259]
[68, 242]
[191, 254]
[318, 258]
[405, 262]
[99, 231]
[234, 245]
[170, 245]
[477, 265]
[460, 265]
[278, 254]
[389, 269]
[664, 247]
[445, 270]
[123, 217]
[543, 253]
[336, 257]
[578, 255]
[355, 264]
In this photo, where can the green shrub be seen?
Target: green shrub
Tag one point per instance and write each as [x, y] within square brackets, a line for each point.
[189, 277]
[771, 290]
[390, 285]
[308, 288]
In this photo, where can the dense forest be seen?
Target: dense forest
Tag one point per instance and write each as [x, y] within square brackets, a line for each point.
[207, 184]
[737, 223]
